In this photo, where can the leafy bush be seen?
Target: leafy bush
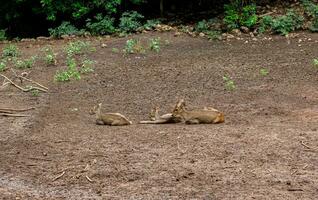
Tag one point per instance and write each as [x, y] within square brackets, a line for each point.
[155, 44]
[2, 35]
[87, 66]
[202, 26]
[10, 51]
[25, 64]
[102, 25]
[133, 46]
[312, 11]
[50, 56]
[130, 21]
[287, 23]
[66, 28]
[265, 24]
[68, 74]
[236, 15]
[78, 47]
[151, 24]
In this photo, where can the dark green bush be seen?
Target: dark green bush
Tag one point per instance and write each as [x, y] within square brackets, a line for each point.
[66, 28]
[3, 35]
[102, 25]
[312, 11]
[130, 21]
[287, 23]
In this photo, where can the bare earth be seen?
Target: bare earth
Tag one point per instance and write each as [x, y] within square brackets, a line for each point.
[266, 149]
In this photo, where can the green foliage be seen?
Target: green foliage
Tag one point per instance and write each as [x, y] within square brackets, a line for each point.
[315, 62]
[35, 92]
[265, 24]
[50, 56]
[237, 15]
[312, 11]
[87, 66]
[229, 83]
[213, 35]
[151, 24]
[66, 28]
[71, 72]
[202, 26]
[130, 21]
[133, 46]
[115, 50]
[154, 44]
[3, 64]
[2, 35]
[78, 47]
[10, 51]
[287, 23]
[24, 63]
[264, 72]
[102, 25]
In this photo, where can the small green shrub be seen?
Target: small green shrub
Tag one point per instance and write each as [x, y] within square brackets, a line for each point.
[71, 72]
[115, 50]
[265, 24]
[2, 35]
[236, 15]
[154, 44]
[202, 26]
[213, 35]
[151, 24]
[311, 10]
[87, 66]
[3, 65]
[25, 63]
[102, 25]
[264, 72]
[133, 46]
[287, 23]
[50, 56]
[66, 28]
[10, 51]
[315, 62]
[78, 47]
[229, 83]
[35, 92]
[130, 21]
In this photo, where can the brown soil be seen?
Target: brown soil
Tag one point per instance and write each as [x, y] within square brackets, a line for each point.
[266, 149]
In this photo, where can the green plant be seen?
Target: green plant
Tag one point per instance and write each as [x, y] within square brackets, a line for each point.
[311, 10]
[265, 24]
[154, 44]
[50, 56]
[87, 66]
[229, 83]
[66, 28]
[287, 23]
[68, 74]
[78, 47]
[25, 63]
[130, 21]
[264, 72]
[315, 62]
[3, 64]
[102, 25]
[35, 92]
[115, 50]
[213, 35]
[10, 51]
[133, 46]
[2, 35]
[151, 24]
[237, 15]
[201, 26]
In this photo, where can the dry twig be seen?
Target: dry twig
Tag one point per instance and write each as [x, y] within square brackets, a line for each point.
[13, 115]
[90, 180]
[59, 176]
[21, 88]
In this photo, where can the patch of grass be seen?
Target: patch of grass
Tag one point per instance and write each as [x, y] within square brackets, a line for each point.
[10, 51]
[229, 83]
[71, 72]
[264, 72]
[133, 46]
[3, 65]
[115, 50]
[35, 92]
[25, 63]
[315, 61]
[154, 44]
[78, 47]
[50, 56]
[101, 25]
[213, 35]
[87, 66]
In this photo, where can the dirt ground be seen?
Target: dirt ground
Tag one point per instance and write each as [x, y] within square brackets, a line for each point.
[266, 149]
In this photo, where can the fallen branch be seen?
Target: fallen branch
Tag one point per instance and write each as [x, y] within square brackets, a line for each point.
[24, 78]
[13, 115]
[59, 176]
[294, 189]
[263, 15]
[90, 180]
[16, 110]
[303, 143]
[21, 88]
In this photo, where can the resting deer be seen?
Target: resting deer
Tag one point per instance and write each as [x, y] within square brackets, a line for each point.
[111, 119]
[207, 115]
[163, 119]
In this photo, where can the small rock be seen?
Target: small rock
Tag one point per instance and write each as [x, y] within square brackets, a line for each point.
[254, 39]
[309, 39]
[245, 29]
[246, 42]
[176, 34]
[42, 38]
[27, 40]
[236, 32]
[66, 37]
[201, 34]
[252, 34]
[104, 45]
